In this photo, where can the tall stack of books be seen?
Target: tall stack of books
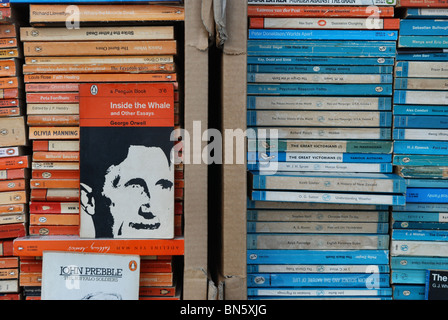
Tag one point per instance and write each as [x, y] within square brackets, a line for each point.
[14, 158]
[320, 148]
[420, 146]
[122, 44]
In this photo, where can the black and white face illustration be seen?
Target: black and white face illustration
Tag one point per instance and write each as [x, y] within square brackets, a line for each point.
[140, 190]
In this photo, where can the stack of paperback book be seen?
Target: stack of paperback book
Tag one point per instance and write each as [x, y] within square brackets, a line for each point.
[120, 55]
[320, 149]
[420, 145]
[14, 158]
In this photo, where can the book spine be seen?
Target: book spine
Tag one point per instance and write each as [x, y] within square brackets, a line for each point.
[99, 59]
[419, 216]
[321, 133]
[12, 230]
[95, 48]
[419, 160]
[53, 230]
[421, 84]
[316, 227]
[321, 118]
[54, 219]
[405, 110]
[54, 133]
[419, 235]
[423, 27]
[54, 207]
[56, 156]
[320, 280]
[320, 292]
[420, 134]
[323, 89]
[426, 13]
[13, 185]
[427, 122]
[426, 207]
[98, 68]
[348, 146]
[322, 48]
[318, 78]
[421, 147]
[318, 215]
[435, 263]
[358, 257]
[423, 42]
[69, 195]
[56, 145]
[100, 77]
[325, 2]
[419, 248]
[421, 69]
[45, 165]
[314, 69]
[422, 3]
[317, 11]
[292, 34]
[404, 276]
[420, 97]
[319, 167]
[308, 182]
[16, 162]
[319, 157]
[54, 183]
[330, 61]
[427, 195]
[319, 197]
[53, 120]
[307, 268]
[324, 23]
[98, 34]
[319, 103]
[317, 242]
[52, 109]
[63, 97]
[434, 56]
[11, 174]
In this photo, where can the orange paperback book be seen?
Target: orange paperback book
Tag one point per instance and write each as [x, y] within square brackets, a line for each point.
[320, 11]
[34, 246]
[137, 120]
[100, 77]
[96, 48]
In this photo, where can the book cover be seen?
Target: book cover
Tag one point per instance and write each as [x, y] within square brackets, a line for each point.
[88, 276]
[126, 169]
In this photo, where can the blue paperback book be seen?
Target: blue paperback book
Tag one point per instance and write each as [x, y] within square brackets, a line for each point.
[320, 157]
[420, 147]
[423, 41]
[427, 195]
[408, 276]
[419, 160]
[423, 27]
[425, 207]
[343, 61]
[292, 34]
[408, 292]
[420, 235]
[421, 122]
[354, 280]
[358, 257]
[321, 48]
[328, 69]
[419, 263]
[318, 292]
[419, 216]
[320, 89]
[437, 56]
[410, 110]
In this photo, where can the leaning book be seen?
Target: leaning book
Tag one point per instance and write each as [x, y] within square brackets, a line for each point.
[126, 168]
[90, 276]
